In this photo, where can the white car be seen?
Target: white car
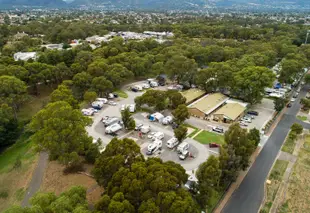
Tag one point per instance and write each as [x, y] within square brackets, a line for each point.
[167, 120]
[293, 99]
[243, 123]
[246, 119]
[151, 135]
[123, 107]
[112, 103]
[88, 112]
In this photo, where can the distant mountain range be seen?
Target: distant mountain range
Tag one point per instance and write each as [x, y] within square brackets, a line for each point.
[162, 4]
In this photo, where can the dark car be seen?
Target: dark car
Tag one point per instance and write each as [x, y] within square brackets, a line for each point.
[213, 145]
[289, 105]
[134, 90]
[174, 125]
[253, 113]
[115, 95]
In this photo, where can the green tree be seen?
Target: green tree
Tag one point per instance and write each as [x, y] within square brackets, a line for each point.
[290, 69]
[279, 104]
[90, 96]
[307, 78]
[8, 126]
[180, 132]
[128, 121]
[81, 83]
[175, 98]
[14, 70]
[230, 165]
[60, 130]
[101, 86]
[152, 98]
[181, 69]
[250, 82]
[298, 128]
[63, 93]
[181, 113]
[254, 135]
[306, 103]
[12, 92]
[208, 175]
[243, 147]
[118, 154]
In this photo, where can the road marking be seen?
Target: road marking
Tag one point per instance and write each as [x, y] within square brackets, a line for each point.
[123, 136]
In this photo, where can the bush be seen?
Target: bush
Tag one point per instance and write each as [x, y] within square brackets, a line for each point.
[4, 194]
[18, 162]
[74, 167]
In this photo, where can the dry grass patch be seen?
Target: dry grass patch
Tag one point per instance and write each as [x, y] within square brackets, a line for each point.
[15, 182]
[275, 177]
[297, 197]
[56, 181]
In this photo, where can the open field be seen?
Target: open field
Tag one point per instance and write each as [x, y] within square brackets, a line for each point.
[275, 177]
[56, 181]
[14, 181]
[206, 137]
[297, 197]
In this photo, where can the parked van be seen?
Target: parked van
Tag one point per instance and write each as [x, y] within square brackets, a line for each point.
[172, 142]
[103, 100]
[138, 87]
[183, 147]
[113, 128]
[153, 84]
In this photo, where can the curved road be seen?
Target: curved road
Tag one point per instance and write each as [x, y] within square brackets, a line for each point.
[249, 196]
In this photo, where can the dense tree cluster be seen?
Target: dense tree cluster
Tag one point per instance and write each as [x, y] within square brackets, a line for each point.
[133, 184]
[73, 200]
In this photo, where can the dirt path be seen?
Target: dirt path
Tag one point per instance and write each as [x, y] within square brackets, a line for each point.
[36, 179]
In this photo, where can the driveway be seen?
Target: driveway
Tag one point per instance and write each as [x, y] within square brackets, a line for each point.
[249, 196]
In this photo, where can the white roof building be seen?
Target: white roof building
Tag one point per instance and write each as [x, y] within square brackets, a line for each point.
[25, 56]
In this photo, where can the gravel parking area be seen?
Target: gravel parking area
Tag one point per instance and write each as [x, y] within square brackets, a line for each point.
[265, 110]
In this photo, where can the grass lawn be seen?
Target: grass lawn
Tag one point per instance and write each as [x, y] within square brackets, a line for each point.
[297, 196]
[302, 118]
[288, 146]
[121, 93]
[275, 177]
[206, 137]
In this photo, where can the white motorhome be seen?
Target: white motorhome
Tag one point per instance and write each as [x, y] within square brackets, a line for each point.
[132, 108]
[145, 129]
[138, 87]
[183, 147]
[167, 120]
[158, 136]
[172, 142]
[153, 84]
[110, 121]
[153, 147]
[113, 128]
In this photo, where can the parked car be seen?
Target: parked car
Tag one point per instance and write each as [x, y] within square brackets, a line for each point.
[134, 89]
[97, 105]
[246, 119]
[88, 112]
[146, 86]
[184, 155]
[145, 129]
[123, 107]
[103, 100]
[218, 129]
[289, 105]
[174, 125]
[115, 95]
[253, 113]
[111, 121]
[295, 95]
[151, 135]
[213, 145]
[242, 123]
[111, 96]
[112, 103]
[293, 99]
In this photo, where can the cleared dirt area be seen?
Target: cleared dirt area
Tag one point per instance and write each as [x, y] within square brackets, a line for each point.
[297, 197]
[56, 181]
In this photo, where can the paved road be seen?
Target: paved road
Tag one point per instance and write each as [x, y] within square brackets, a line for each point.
[249, 196]
[36, 179]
